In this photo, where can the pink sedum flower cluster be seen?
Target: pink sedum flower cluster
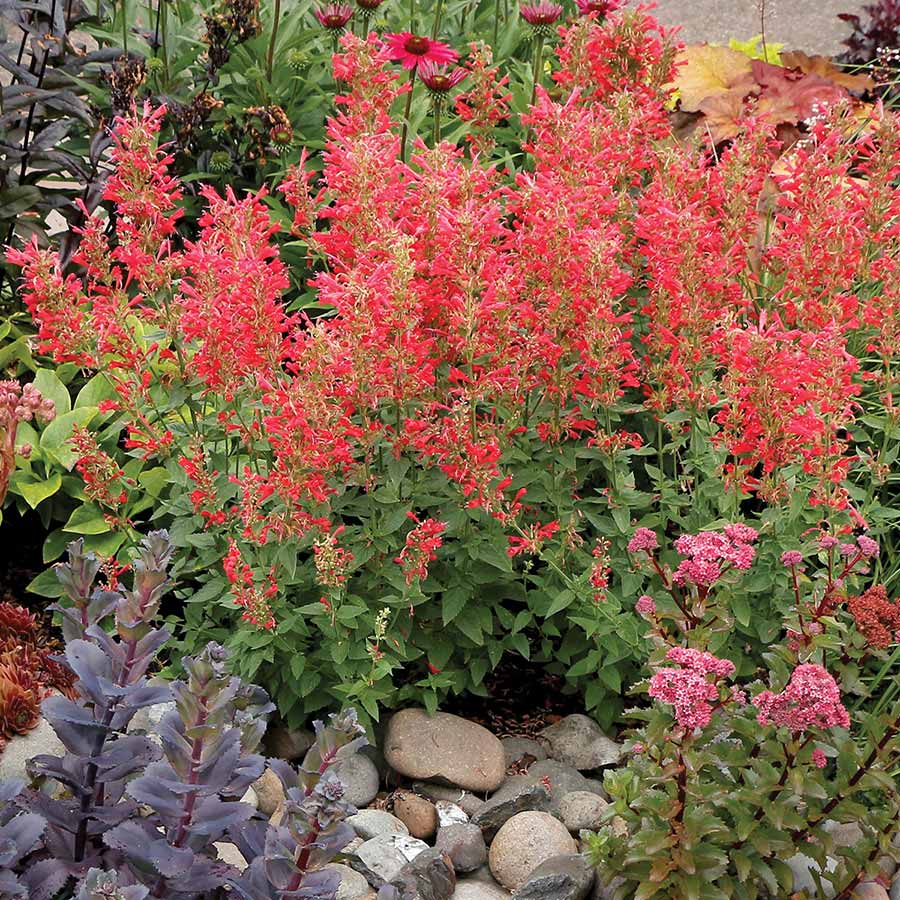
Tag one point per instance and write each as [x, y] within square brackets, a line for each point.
[689, 689]
[710, 553]
[811, 698]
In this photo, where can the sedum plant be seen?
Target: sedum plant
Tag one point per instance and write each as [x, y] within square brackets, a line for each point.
[737, 768]
[131, 817]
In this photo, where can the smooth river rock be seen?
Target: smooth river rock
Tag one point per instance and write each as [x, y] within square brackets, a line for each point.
[578, 741]
[444, 748]
[523, 843]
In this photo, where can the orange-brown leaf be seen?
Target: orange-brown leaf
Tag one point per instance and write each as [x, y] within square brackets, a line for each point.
[825, 68]
[706, 71]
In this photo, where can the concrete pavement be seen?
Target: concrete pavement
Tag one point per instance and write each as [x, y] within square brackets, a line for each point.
[808, 25]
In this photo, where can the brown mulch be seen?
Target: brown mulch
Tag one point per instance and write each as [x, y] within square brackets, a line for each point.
[522, 700]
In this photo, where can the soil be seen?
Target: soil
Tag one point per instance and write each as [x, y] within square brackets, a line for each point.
[522, 700]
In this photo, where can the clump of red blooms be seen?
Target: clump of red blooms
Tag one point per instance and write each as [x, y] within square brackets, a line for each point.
[422, 544]
[246, 593]
[812, 698]
[458, 321]
[877, 618]
[28, 672]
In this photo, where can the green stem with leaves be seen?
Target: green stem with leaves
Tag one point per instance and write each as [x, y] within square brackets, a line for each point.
[405, 132]
[270, 57]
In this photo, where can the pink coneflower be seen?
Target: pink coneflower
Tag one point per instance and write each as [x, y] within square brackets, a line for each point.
[368, 6]
[541, 15]
[440, 79]
[334, 16]
[411, 49]
[601, 7]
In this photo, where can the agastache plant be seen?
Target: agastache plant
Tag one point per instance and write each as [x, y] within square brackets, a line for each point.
[137, 819]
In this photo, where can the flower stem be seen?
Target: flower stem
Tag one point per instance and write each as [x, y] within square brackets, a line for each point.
[270, 57]
[412, 16]
[496, 23]
[405, 132]
[124, 28]
[437, 121]
[439, 11]
[536, 70]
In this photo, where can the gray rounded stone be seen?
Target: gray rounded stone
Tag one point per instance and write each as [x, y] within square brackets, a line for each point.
[444, 748]
[802, 867]
[41, 739]
[578, 741]
[369, 823]
[521, 793]
[568, 877]
[464, 844]
[523, 843]
[870, 890]
[359, 777]
[352, 886]
[581, 809]
[286, 743]
[519, 749]
[479, 890]
[382, 858]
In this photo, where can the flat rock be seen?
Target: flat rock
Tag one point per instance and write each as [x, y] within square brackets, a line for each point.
[429, 876]
[466, 801]
[230, 854]
[605, 889]
[464, 844]
[567, 877]
[581, 810]
[577, 741]
[41, 739]
[381, 858]
[249, 797]
[479, 890]
[353, 885]
[523, 843]
[450, 814]
[802, 867]
[520, 749]
[542, 789]
[417, 813]
[370, 823]
[359, 777]
[269, 792]
[444, 748]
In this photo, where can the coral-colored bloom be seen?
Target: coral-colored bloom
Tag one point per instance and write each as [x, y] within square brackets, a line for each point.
[421, 548]
[411, 49]
[601, 7]
[812, 698]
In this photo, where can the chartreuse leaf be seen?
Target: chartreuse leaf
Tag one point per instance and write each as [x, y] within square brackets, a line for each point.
[48, 383]
[35, 492]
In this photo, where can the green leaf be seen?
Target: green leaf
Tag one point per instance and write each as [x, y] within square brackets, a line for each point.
[741, 609]
[47, 382]
[562, 600]
[86, 519]
[56, 435]
[95, 392]
[46, 584]
[453, 602]
[36, 492]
